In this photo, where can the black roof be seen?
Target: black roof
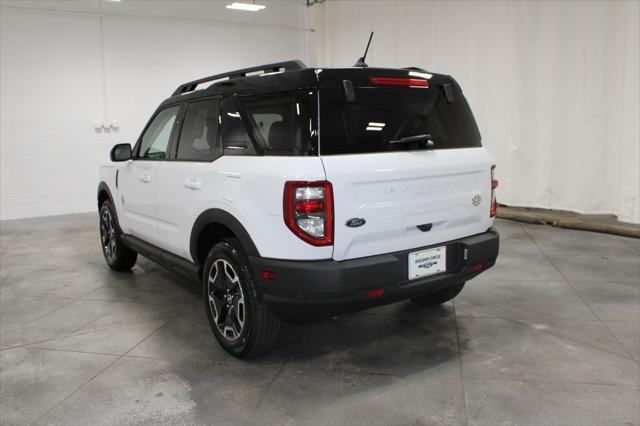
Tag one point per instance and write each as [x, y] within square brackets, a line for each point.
[291, 75]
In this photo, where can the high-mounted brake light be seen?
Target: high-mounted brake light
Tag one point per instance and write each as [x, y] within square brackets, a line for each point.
[494, 185]
[308, 211]
[392, 81]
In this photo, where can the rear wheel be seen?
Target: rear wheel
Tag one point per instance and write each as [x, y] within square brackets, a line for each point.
[118, 256]
[440, 297]
[239, 320]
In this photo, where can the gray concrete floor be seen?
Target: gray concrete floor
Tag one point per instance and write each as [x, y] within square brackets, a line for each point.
[551, 335]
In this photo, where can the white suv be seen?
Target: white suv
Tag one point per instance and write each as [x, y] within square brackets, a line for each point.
[294, 193]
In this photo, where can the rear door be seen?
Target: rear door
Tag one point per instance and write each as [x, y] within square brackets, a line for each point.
[186, 183]
[407, 168]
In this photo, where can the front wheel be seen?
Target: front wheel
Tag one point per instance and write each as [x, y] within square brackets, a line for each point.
[439, 297]
[118, 256]
[239, 320]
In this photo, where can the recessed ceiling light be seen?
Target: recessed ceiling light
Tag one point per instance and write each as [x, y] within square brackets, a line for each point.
[251, 7]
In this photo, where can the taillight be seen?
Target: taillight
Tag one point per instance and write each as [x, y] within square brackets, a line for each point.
[392, 81]
[494, 185]
[308, 211]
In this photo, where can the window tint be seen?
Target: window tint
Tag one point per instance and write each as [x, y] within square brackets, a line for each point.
[199, 135]
[286, 123]
[379, 116]
[235, 139]
[156, 138]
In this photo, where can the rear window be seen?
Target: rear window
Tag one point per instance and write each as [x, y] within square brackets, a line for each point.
[379, 117]
[284, 123]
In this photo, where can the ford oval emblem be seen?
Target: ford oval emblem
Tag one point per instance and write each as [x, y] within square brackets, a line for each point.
[355, 222]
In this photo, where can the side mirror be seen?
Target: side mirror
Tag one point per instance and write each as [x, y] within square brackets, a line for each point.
[121, 152]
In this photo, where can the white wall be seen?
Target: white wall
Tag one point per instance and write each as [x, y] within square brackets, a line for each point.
[554, 86]
[65, 65]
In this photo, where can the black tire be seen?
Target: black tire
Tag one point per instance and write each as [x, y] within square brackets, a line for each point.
[239, 320]
[118, 256]
[439, 297]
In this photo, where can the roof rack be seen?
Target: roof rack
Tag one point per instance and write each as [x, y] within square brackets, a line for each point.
[415, 69]
[268, 68]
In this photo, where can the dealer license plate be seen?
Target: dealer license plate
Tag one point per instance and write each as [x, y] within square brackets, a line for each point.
[427, 262]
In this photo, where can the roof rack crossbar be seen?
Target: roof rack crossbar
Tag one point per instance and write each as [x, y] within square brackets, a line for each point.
[275, 67]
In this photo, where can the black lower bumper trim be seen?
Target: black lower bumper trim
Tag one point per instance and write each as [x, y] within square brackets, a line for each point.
[310, 289]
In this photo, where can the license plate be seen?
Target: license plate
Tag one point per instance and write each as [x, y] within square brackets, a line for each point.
[427, 262]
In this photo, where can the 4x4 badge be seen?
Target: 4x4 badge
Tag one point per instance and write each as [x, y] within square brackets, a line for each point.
[476, 200]
[355, 222]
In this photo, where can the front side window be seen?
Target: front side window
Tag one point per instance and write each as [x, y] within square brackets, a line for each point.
[285, 123]
[156, 137]
[199, 135]
[381, 120]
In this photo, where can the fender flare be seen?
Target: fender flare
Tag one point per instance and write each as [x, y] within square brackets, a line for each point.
[222, 217]
[102, 186]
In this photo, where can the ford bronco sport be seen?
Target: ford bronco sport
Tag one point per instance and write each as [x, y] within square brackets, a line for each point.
[295, 193]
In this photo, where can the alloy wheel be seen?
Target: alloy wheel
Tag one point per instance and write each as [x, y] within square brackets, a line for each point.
[226, 299]
[108, 235]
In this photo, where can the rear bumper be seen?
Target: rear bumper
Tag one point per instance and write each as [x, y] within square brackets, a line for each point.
[317, 289]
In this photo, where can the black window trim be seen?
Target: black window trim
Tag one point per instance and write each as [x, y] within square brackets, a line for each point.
[176, 124]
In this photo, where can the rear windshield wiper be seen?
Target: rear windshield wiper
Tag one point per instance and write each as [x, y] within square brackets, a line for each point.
[415, 138]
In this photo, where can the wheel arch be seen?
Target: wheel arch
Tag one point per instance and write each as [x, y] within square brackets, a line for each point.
[104, 193]
[213, 224]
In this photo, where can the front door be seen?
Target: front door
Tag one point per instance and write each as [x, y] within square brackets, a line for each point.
[137, 188]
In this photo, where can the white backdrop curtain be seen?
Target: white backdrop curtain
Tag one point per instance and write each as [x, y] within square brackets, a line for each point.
[554, 86]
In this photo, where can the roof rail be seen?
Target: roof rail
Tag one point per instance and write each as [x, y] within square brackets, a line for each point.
[415, 69]
[268, 68]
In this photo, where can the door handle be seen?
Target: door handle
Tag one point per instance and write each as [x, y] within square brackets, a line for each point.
[192, 184]
[144, 178]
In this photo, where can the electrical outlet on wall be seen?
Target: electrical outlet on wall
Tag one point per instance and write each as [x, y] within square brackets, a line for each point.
[107, 125]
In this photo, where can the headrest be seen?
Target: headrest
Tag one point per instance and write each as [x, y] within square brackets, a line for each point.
[233, 130]
[280, 136]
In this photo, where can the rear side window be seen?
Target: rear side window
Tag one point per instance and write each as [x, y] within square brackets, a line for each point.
[156, 137]
[379, 117]
[235, 138]
[199, 135]
[285, 123]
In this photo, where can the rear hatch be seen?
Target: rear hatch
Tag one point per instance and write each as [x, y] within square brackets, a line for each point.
[403, 153]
